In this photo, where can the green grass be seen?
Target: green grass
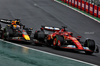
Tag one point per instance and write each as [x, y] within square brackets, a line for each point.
[81, 11]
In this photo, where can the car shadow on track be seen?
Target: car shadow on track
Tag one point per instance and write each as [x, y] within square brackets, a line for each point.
[62, 50]
[43, 48]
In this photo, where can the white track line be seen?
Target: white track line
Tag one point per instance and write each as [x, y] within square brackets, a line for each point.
[49, 53]
[76, 10]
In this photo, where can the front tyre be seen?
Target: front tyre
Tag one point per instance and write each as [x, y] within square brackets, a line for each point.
[91, 45]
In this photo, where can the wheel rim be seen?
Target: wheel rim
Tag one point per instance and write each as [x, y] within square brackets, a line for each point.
[54, 42]
[59, 43]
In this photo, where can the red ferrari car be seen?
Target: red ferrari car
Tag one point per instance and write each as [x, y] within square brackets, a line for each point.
[60, 38]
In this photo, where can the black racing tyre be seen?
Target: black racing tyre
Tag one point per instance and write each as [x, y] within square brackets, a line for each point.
[10, 30]
[7, 33]
[36, 35]
[7, 36]
[2, 35]
[91, 45]
[39, 35]
[58, 41]
[0, 27]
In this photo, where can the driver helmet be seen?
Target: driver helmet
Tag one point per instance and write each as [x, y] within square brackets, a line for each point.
[16, 22]
[16, 27]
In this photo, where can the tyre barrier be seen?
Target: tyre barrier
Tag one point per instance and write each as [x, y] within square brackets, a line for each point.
[79, 4]
[95, 11]
[72, 3]
[99, 12]
[76, 3]
[91, 9]
[85, 6]
[67, 1]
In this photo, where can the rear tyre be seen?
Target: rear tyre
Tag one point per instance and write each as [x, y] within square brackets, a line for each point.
[0, 27]
[58, 41]
[7, 36]
[39, 35]
[10, 30]
[91, 45]
[7, 33]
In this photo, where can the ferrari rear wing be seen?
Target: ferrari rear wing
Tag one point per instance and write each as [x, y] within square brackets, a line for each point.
[50, 28]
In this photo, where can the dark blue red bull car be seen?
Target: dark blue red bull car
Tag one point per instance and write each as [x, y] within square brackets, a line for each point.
[15, 31]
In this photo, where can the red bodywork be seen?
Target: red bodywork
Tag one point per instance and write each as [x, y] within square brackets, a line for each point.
[61, 38]
[67, 36]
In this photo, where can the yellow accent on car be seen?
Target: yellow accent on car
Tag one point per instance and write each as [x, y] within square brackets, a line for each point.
[51, 36]
[26, 37]
[15, 26]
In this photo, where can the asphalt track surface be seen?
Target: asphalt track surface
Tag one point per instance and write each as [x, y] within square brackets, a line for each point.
[34, 13]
